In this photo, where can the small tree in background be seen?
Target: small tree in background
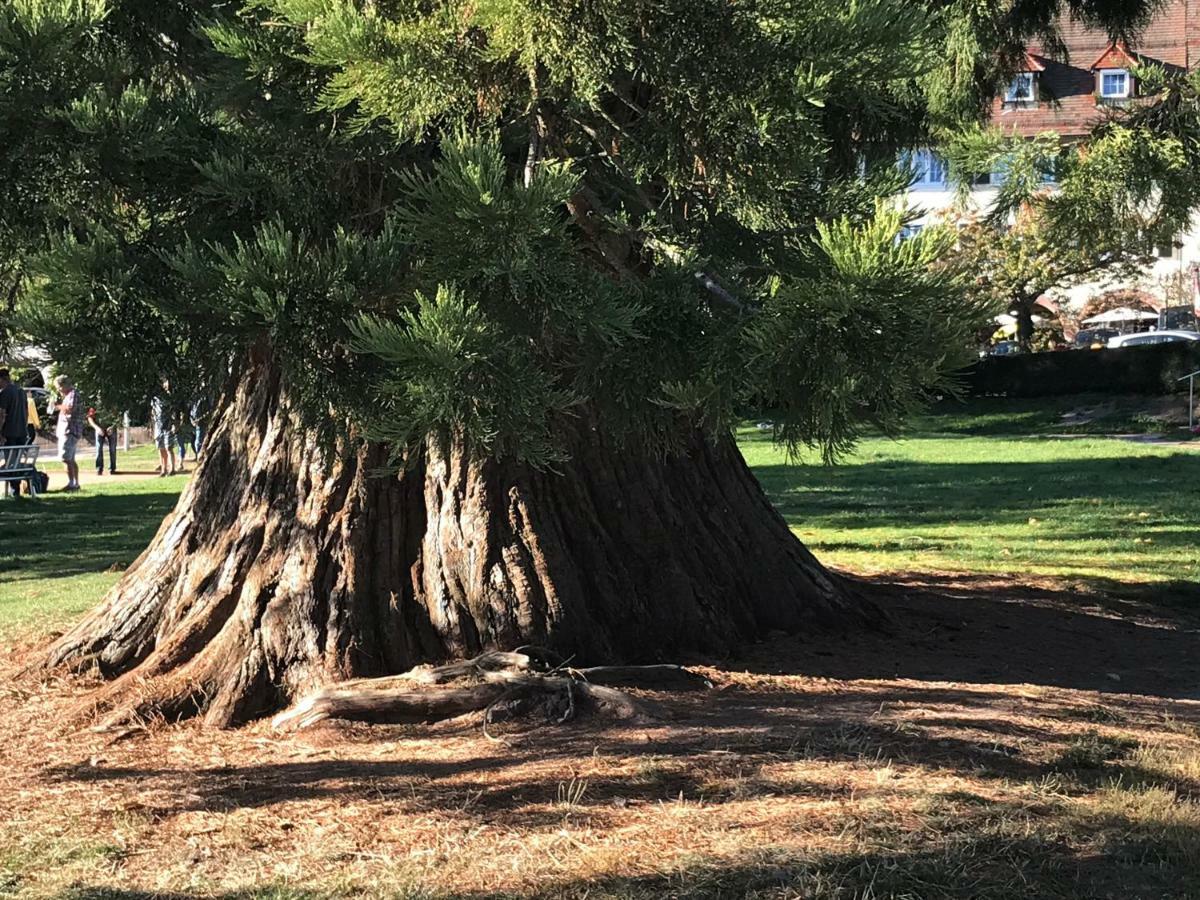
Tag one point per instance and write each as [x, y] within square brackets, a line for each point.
[1017, 265]
[1111, 201]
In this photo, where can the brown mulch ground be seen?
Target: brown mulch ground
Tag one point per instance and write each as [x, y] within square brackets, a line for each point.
[979, 747]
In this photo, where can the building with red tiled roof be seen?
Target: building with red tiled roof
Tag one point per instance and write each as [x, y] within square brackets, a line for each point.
[1073, 88]
[1068, 90]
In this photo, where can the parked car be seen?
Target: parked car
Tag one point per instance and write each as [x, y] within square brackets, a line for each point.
[1094, 338]
[1178, 318]
[1144, 338]
[1002, 348]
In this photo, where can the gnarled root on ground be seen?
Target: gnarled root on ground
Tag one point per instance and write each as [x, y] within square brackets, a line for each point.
[500, 684]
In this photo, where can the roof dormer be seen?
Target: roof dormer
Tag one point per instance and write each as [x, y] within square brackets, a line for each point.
[1024, 89]
[1114, 73]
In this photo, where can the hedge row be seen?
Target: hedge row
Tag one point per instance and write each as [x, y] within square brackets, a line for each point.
[1132, 370]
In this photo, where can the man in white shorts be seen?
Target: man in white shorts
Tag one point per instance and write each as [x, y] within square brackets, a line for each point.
[71, 413]
[160, 421]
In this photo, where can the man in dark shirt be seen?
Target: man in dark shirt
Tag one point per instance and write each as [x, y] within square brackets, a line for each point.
[13, 417]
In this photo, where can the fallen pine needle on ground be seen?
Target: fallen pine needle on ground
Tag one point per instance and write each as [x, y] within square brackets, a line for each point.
[815, 767]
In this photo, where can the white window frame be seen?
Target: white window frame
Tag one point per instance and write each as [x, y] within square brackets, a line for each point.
[1125, 94]
[924, 162]
[1027, 80]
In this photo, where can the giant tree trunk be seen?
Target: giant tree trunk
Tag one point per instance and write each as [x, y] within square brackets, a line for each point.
[1025, 326]
[283, 568]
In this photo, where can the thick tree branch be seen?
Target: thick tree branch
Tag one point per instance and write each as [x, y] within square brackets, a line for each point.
[706, 280]
[608, 153]
[709, 283]
[537, 126]
[584, 208]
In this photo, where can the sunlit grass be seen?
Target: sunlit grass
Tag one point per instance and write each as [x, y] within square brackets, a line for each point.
[63, 551]
[1086, 507]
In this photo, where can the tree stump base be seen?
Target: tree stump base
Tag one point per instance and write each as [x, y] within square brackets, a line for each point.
[285, 568]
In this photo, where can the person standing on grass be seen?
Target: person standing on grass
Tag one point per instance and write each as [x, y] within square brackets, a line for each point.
[13, 419]
[105, 436]
[34, 423]
[160, 422]
[71, 415]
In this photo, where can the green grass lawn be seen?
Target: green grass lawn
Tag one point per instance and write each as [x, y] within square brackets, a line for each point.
[970, 489]
[1080, 507]
[61, 552]
[138, 459]
[1098, 414]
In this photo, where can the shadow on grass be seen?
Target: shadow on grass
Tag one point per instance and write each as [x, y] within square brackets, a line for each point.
[952, 647]
[1077, 414]
[62, 536]
[735, 744]
[988, 630]
[729, 762]
[719, 748]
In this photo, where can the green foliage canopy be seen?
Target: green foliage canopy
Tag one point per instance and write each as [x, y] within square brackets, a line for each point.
[497, 219]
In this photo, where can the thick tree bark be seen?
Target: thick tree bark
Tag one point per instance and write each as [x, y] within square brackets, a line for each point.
[284, 567]
[1025, 325]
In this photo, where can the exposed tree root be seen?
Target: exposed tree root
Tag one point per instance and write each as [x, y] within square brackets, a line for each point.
[499, 685]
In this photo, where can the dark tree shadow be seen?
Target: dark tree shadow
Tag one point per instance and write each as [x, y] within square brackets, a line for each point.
[85, 533]
[979, 630]
[991, 851]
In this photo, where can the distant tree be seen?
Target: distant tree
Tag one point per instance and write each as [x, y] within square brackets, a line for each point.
[1015, 266]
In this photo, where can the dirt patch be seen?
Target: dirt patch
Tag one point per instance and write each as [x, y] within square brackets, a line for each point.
[1162, 412]
[981, 747]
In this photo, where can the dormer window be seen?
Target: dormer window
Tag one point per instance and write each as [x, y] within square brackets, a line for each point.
[1115, 84]
[1114, 78]
[1020, 89]
[1022, 92]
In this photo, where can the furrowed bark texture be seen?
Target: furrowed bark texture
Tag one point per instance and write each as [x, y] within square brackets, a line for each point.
[281, 571]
